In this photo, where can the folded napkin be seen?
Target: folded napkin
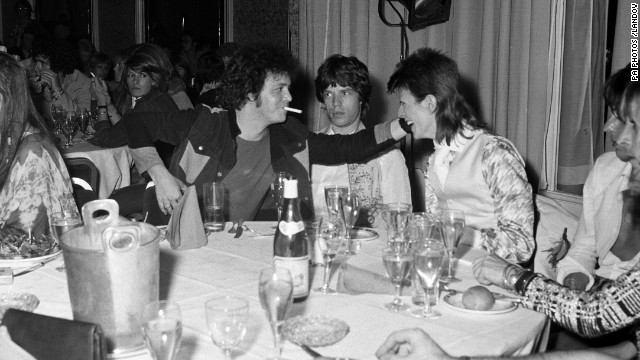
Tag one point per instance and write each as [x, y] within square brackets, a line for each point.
[354, 280]
[46, 337]
[11, 351]
[185, 229]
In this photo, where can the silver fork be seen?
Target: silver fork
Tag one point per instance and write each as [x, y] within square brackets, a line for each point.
[255, 233]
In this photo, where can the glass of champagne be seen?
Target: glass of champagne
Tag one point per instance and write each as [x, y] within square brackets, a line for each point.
[451, 223]
[277, 190]
[428, 265]
[329, 241]
[397, 264]
[227, 317]
[276, 294]
[69, 126]
[57, 114]
[83, 121]
[351, 205]
[162, 329]
[396, 215]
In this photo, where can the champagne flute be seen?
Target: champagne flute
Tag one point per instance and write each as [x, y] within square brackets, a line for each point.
[351, 205]
[428, 265]
[452, 223]
[227, 320]
[162, 329]
[329, 241]
[396, 215]
[276, 293]
[333, 207]
[57, 114]
[83, 122]
[277, 190]
[69, 127]
[397, 264]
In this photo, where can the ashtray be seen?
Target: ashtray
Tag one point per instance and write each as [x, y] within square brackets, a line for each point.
[315, 330]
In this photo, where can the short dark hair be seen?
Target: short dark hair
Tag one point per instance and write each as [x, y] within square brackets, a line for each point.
[614, 88]
[248, 71]
[62, 55]
[210, 67]
[429, 72]
[99, 58]
[344, 71]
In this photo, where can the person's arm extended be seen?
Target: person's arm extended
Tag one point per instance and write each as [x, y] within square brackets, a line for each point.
[504, 173]
[337, 149]
[145, 128]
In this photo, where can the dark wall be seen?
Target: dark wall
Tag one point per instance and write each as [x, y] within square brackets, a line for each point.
[261, 21]
[117, 25]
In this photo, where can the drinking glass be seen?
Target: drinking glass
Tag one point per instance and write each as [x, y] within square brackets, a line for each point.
[57, 114]
[63, 221]
[451, 224]
[277, 190]
[397, 264]
[428, 265]
[162, 329]
[329, 242]
[69, 126]
[276, 293]
[83, 121]
[227, 321]
[333, 207]
[351, 205]
[396, 215]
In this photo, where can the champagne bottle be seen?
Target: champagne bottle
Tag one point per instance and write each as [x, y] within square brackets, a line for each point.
[290, 244]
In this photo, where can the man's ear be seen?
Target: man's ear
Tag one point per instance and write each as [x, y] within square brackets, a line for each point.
[429, 102]
[251, 97]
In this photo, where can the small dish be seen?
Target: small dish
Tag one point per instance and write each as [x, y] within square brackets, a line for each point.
[454, 300]
[364, 234]
[315, 330]
[20, 301]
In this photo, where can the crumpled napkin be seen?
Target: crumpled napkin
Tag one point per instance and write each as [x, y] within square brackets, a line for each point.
[185, 229]
[10, 350]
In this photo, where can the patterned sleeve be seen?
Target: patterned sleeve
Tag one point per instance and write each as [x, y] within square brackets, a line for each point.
[503, 171]
[589, 314]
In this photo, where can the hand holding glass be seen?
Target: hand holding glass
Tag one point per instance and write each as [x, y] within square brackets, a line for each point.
[227, 321]
[162, 329]
[452, 223]
[397, 264]
[276, 293]
[428, 265]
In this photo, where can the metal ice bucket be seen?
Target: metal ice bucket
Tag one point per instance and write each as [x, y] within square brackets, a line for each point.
[112, 267]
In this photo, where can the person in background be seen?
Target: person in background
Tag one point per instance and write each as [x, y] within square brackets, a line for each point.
[605, 245]
[245, 144]
[471, 169]
[34, 182]
[99, 65]
[207, 79]
[59, 79]
[118, 68]
[188, 52]
[227, 51]
[182, 78]
[85, 52]
[25, 25]
[343, 87]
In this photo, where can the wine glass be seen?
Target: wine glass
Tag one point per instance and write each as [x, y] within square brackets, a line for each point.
[351, 205]
[69, 126]
[451, 223]
[396, 215]
[277, 190]
[428, 265]
[162, 329]
[329, 241]
[83, 121]
[57, 114]
[333, 207]
[397, 264]
[227, 320]
[276, 293]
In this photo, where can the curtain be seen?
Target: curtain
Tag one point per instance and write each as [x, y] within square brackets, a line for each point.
[501, 47]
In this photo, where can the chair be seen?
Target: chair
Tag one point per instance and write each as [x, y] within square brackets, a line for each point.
[85, 178]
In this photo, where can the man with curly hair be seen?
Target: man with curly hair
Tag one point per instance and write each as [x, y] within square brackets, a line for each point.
[244, 144]
[58, 77]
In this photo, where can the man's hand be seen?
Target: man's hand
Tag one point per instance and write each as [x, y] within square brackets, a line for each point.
[396, 130]
[51, 78]
[169, 189]
[410, 344]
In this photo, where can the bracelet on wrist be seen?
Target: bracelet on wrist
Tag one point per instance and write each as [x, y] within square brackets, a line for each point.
[523, 281]
[510, 276]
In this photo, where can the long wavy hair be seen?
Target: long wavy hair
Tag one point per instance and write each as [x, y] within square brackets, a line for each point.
[17, 112]
[429, 72]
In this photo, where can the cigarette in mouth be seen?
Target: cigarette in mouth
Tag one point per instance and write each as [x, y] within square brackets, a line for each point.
[297, 111]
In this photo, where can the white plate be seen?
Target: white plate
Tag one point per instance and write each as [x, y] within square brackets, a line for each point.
[364, 234]
[499, 307]
[23, 263]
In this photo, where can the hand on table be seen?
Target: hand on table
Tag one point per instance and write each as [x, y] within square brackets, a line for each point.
[169, 189]
[410, 344]
[488, 269]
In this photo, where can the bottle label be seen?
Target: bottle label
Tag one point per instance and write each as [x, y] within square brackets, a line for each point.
[290, 228]
[299, 269]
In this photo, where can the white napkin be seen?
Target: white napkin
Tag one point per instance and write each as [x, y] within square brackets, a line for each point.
[10, 350]
[185, 229]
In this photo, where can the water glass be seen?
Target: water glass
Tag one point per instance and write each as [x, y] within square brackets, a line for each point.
[64, 221]
[275, 289]
[213, 199]
[397, 264]
[227, 318]
[329, 242]
[396, 215]
[162, 329]
[428, 265]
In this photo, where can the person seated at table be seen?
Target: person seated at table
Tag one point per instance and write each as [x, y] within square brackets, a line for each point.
[471, 169]
[100, 65]
[603, 246]
[34, 182]
[59, 79]
[244, 144]
[207, 79]
[343, 87]
[118, 67]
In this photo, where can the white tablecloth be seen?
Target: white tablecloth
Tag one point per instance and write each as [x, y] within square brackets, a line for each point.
[114, 165]
[231, 266]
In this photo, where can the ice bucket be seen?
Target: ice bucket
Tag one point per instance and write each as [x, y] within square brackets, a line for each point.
[112, 267]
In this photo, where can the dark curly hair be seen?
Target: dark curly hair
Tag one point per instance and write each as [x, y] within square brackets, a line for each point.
[62, 55]
[248, 70]
[429, 72]
[344, 71]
